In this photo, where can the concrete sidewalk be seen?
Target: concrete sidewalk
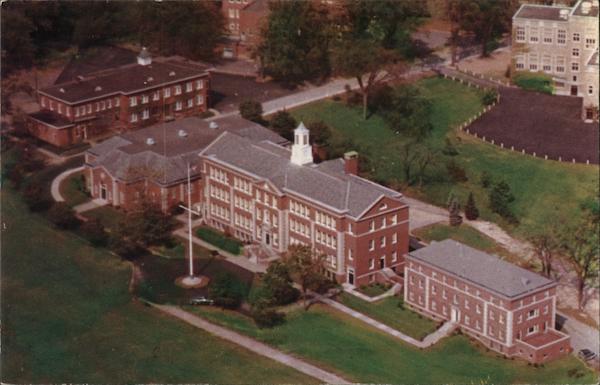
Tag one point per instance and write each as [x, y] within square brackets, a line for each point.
[55, 187]
[253, 345]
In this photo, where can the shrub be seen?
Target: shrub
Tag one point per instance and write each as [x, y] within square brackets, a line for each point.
[485, 179]
[251, 110]
[449, 148]
[63, 216]
[35, 198]
[284, 124]
[534, 82]
[266, 317]
[319, 132]
[176, 209]
[206, 114]
[471, 211]
[277, 286]
[126, 248]
[93, 231]
[489, 97]
[500, 198]
[220, 240]
[227, 291]
[457, 173]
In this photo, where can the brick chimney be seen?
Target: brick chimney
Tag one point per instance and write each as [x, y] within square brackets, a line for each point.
[351, 162]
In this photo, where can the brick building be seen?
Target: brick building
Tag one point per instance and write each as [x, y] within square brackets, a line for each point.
[119, 99]
[243, 21]
[562, 42]
[509, 309]
[249, 185]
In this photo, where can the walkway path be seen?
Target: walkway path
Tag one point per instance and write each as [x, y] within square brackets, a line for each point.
[253, 345]
[431, 339]
[90, 205]
[239, 260]
[55, 187]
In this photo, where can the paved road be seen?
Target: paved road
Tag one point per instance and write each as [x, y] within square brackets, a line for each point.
[582, 335]
[55, 188]
[253, 345]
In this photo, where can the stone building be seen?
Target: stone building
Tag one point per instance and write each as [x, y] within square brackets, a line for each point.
[120, 99]
[509, 309]
[562, 42]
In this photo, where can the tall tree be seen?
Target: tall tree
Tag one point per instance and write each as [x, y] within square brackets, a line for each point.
[146, 225]
[581, 244]
[409, 112]
[18, 49]
[306, 267]
[294, 42]
[485, 19]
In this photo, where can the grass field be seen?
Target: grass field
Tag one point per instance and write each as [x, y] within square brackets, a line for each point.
[563, 186]
[366, 355]
[108, 215]
[388, 312]
[467, 235]
[67, 317]
[69, 189]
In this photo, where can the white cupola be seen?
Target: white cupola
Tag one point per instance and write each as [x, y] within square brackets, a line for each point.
[144, 57]
[301, 149]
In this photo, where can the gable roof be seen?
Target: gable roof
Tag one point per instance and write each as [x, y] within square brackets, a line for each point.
[124, 80]
[129, 157]
[483, 269]
[324, 184]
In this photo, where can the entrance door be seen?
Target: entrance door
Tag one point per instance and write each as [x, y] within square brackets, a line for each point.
[382, 262]
[573, 90]
[103, 191]
[267, 238]
[454, 314]
[351, 277]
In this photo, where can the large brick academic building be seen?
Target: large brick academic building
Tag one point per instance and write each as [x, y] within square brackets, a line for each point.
[249, 184]
[119, 99]
[509, 309]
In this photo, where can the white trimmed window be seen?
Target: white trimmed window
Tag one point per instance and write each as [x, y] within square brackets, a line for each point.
[372, 244]
[520, 62]
[547, 63]
[145, 114]
[167, 92]
[199, 84]
[575, 52]
[188, 87]
[560, 64]
[132, 101]
[199, 100]
[394, 256]
[534, 35]
[590, 43]
[561, 37]
[590, 92]
[133, 118]
[576, 36]
[145, 99]
[532, 329]
[177, 90]
[574, 66]
[178, 106]
[533, 62]
[371, 264]
[520, 34]
[117, 102]
[548, 35]
[155, 95]
[190, 103]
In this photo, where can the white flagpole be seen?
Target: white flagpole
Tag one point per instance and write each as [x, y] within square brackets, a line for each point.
[191, 253]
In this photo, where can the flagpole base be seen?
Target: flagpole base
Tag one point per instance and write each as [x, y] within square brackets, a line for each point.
[192, 281]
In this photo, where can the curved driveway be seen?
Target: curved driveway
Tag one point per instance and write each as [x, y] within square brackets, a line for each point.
[55, 187]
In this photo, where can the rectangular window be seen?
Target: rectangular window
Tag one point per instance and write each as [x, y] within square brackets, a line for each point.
[561, 37]
[178, 106]
[532, 329]
[372, 244]
[533, 35]
[199, 100]
[145, 99]
[89, 108]
[382, 241]
[560, 64]
[575, 52]
[590, 92]
[132, 101]
[134, 118]
[145, 114]
[548, 35]
[533, 313]
[372, 226]
[520, 62]
[188, 87]
[574, 66]
[533, 61]
[190, 103]
[371, 264]
[576, 36]
[199, 84]
[177, 90]
[547, 63]
[167, 92]
[394, 256]
[155, 95]
[394, 238]
[520, 34]
[590, 43]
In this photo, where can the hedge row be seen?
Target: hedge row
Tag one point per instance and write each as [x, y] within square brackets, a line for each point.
[220, 240]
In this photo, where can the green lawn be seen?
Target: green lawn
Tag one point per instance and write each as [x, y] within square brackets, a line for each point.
[563, 186]
[366, 355]
[467, 235]
[108, 215]
[70, 190]
[374, 289]
[67, 317]
[388, 312]
[220, 240]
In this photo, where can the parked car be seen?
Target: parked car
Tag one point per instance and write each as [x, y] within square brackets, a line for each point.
[586, 354]
[202, 301]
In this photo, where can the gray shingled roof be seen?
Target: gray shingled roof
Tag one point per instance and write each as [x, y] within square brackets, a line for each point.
[325, 183]
[124, 80]
[480, 268]
[128, 157]
[543, 12]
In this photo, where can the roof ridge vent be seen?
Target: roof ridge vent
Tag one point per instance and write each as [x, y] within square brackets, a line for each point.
[213, 125]
[80, 78]
[182, 133]
[150, 79]
[172, 73]
[525, 281]
[150, 141]
[563, 14]
[98, 88]
[62, 90]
